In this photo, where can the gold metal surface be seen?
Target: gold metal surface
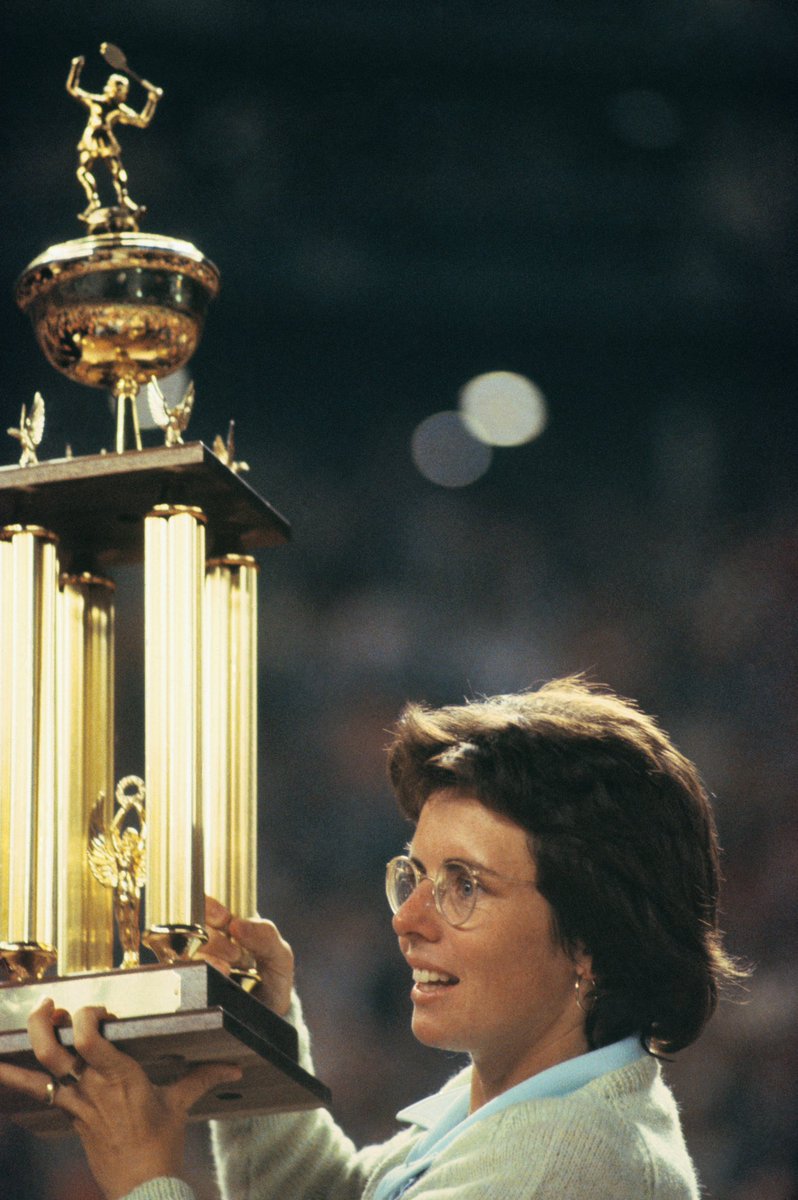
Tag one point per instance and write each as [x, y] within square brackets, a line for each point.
[175, 943]
[247, 978]
[30, 431]
[116, 859]
[174, 570]
[172, 420]
[27, 960]
[28, 590]
[230, 703]
[98, 143]
[113, 310]
[85, 707]
[225, 450]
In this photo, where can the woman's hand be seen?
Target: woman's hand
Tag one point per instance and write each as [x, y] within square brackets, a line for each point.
[131, 1130]
[274, 958]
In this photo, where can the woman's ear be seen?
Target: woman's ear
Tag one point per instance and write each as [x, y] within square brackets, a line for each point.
[583, 962]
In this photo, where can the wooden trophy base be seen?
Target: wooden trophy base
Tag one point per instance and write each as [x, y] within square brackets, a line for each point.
[168, 1018]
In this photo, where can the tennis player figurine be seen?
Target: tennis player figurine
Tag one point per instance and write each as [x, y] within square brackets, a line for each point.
[98, 142]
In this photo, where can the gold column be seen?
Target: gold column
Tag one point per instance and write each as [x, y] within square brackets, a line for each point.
[230, 739]
[85, 724]
[174, 570]
[28, 589]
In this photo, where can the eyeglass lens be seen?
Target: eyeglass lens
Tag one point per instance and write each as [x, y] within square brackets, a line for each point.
[454, 888]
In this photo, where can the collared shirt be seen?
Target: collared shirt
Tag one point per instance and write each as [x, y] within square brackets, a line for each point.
[445, 1115]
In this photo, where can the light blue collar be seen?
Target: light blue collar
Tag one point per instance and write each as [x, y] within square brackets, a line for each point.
[445, 1115]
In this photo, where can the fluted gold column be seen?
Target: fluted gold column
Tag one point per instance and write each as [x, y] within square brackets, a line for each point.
[230, 704]
[28, 589]
[174, 577]
[85, 732]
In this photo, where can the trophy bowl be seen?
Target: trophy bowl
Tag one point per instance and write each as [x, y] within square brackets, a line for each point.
[115, 309]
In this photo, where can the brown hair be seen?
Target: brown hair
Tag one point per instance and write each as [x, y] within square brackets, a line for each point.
[621, 830]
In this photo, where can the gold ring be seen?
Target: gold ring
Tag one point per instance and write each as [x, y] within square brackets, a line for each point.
[75, 1071]
[51, 1089]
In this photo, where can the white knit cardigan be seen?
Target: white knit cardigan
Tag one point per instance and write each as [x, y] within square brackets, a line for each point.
[616, 1138]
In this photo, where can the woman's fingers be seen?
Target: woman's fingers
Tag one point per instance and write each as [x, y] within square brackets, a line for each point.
[42, 1023]
[229, 935]
[216, 915]
[274, 960]
[91, 1050]
[132, 1130]
[219, 946]
[264, 942]
[56, 1087]
[96, 1050]
[31, 1083]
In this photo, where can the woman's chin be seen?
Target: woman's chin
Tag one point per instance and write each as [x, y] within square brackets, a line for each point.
[433, 1033]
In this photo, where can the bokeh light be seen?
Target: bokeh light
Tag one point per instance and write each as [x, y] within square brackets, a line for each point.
[445, 452]
[502, 408]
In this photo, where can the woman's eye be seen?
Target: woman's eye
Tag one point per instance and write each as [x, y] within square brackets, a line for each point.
[462, 882]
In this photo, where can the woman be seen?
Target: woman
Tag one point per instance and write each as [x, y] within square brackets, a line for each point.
[557, 907]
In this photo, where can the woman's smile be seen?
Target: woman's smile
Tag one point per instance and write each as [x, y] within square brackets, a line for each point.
[429, 983]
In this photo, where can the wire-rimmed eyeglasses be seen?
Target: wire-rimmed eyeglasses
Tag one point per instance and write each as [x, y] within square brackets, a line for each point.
[455, 886]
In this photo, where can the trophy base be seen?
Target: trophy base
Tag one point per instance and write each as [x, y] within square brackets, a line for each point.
[169, 1018]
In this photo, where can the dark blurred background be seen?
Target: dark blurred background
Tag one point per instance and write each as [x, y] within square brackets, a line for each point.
[400, 197]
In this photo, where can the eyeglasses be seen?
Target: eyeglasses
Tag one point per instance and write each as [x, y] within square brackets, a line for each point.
[455, 886]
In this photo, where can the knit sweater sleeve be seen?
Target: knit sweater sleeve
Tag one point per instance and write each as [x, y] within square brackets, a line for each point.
[293, 1156]
[281, 1156]
[162, 1189]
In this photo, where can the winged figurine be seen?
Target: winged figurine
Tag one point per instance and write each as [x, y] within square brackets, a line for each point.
[172, 420]
[31, 431]
[225, 451]
[116, 859]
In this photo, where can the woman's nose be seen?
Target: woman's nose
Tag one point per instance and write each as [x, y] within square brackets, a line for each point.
[418, 914]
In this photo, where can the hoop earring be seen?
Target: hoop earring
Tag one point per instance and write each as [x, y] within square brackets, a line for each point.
[580, 979]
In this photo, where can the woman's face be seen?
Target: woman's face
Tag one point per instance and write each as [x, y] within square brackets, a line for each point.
[500, 987]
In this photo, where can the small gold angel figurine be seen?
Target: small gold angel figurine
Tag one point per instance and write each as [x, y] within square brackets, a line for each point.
[30, 432]
[116, 859]
[226, 451]
[174, 420]
[98, 141]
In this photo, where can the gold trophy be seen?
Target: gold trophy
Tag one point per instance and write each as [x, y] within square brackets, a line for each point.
[117, 309]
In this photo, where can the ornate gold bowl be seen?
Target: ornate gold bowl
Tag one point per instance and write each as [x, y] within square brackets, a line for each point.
[112, 310]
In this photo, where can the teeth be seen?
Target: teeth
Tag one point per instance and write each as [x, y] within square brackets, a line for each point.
[431, 977]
